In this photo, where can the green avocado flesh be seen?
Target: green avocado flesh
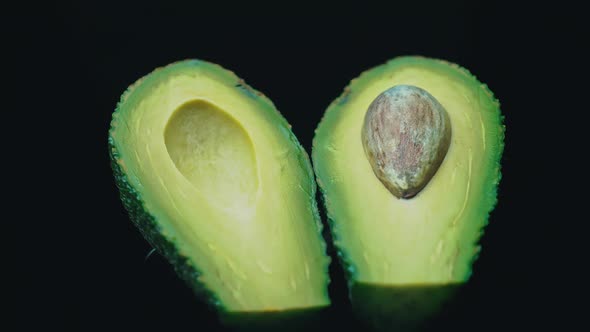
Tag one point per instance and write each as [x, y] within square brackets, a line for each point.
[215, 180]
[430, 239]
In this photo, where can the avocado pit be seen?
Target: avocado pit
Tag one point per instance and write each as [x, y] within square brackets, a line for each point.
[406, 135]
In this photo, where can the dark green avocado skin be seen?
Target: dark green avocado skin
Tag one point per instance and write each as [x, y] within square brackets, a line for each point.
[400, 308]
[294, 320]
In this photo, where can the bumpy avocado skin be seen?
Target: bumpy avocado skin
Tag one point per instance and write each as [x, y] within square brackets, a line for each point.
[149, 227]
[402, 308]
[392, 307]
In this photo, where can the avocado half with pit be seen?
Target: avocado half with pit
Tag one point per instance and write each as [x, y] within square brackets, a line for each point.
[216, 181]
[408, 160]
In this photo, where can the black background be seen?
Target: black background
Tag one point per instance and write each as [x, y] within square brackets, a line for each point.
[85, 262]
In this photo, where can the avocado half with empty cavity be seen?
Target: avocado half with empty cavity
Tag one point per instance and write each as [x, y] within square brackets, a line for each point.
[216, 181]
[408, 160]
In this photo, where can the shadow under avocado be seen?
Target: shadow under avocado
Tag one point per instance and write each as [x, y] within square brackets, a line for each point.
[308, 319]
[399, 308]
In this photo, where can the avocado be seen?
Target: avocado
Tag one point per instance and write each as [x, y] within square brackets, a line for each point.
[214, 178]
[408, 161]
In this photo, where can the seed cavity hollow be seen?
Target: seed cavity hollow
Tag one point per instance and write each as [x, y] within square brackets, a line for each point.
[214, 153]
[406, 134]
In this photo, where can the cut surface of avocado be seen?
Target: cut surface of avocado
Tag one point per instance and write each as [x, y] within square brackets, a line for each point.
[213, 177]
[429, 239]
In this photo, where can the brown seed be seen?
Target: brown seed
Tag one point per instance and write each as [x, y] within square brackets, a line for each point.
[406, 135]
